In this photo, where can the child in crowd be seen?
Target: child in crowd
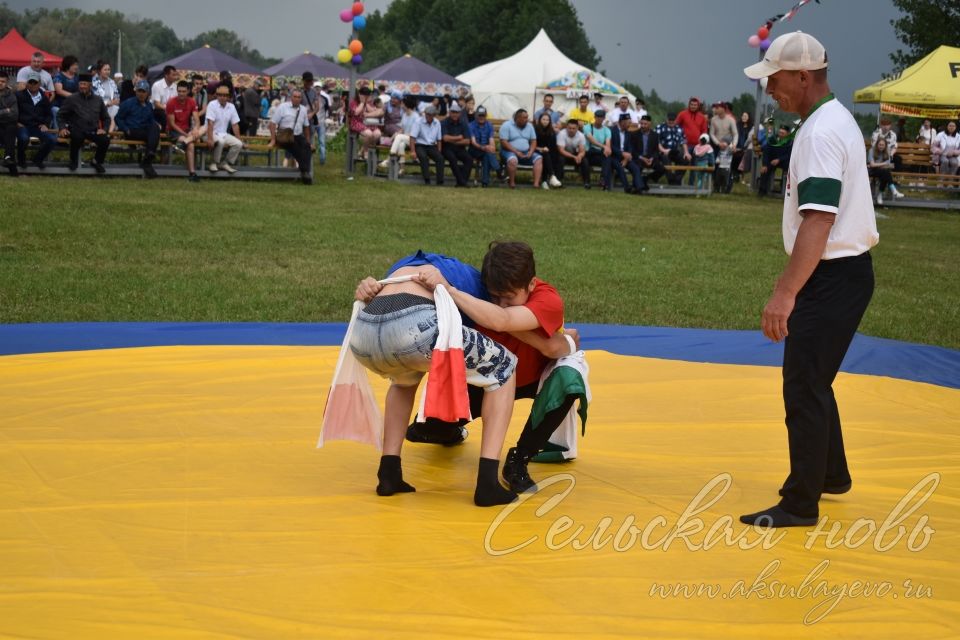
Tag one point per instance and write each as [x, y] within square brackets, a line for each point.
[703, 157]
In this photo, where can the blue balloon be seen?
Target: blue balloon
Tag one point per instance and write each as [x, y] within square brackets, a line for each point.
[359, 22]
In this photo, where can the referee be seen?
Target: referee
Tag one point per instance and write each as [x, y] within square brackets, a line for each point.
[817, 303]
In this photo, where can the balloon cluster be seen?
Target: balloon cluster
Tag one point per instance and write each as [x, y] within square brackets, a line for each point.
[352, 53]
[761, 38]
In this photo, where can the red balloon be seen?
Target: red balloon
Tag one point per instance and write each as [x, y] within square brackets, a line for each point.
[357, 8]
[763, 32]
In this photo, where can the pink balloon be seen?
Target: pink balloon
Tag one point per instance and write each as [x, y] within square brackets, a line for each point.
[346, 15]
[753, 41]
[765, 44]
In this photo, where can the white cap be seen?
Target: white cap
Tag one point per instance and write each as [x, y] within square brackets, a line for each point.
[797, 51]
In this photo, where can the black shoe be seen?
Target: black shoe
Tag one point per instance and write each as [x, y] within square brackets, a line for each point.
[9, 162]
[39, 165]
[99, 167]
[587, 185]
[515, 471]
[777, 517]
[445, 434]
[149, 171]
[22, 164]
[74, 167]
[193, 178]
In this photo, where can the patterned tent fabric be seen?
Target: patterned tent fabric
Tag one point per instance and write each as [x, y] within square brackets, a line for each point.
[410, 75]
[290, 72]
[209, 62]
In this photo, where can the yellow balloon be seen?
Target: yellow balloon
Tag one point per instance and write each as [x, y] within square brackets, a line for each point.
[344, 55]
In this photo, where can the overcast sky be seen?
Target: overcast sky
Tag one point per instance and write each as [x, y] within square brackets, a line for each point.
[678, 48]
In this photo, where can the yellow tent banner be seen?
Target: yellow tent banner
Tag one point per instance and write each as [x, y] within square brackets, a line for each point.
[934, 81]
[920, 112]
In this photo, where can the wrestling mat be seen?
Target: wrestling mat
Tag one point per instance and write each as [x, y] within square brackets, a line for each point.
[162, 481]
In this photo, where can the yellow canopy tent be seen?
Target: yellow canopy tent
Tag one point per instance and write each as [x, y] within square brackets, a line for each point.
[928, 89]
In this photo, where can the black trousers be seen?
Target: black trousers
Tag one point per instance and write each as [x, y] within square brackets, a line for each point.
[531, 440]
[300, 150]
[150, 137]
[551, 164]
[826, 316]
[884, 179]
[657, 170]
[77, 139]
[583, 167]
[8, 136]
[426, 153]
[460, 162]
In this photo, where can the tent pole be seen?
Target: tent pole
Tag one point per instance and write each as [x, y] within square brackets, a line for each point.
[352, 92]
[754, 168]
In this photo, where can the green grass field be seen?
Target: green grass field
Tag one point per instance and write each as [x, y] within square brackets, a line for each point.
[126, 249]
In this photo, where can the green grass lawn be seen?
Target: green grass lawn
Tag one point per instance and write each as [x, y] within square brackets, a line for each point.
[126, 249]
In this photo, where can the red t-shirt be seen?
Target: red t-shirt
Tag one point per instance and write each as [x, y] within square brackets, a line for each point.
[693, 123]
[547, 305]
[182, 111]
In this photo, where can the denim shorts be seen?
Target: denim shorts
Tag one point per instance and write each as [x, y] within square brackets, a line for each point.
[399, 345]
[525, 162]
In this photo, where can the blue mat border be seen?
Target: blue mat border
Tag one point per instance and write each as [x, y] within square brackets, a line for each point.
[867, 355]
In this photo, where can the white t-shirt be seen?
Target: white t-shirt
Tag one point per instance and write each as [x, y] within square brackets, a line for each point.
[828, 172]
[46, 80]
[162, 93]
[571, 144]
[285, 117]
[222, 117]
[613, 117]
[947, 143]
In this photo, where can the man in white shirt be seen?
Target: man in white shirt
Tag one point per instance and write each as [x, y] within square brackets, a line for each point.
[294, 116]
[623, 107]
[35, 66]
[829, 227]
[162, 92]
[222, 118]
[572, 147]
[428, 143]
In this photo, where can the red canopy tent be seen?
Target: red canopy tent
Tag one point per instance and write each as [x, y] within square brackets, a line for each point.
[15, 51]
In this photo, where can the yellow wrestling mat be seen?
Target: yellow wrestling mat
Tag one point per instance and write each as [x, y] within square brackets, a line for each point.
[176, 492]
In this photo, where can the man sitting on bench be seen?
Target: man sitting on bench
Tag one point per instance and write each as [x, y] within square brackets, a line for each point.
[136, 120]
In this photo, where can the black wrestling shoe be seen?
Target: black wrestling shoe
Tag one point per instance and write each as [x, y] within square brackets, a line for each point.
[98, 167]
[448, 435]
[777, 517]
[515, 471]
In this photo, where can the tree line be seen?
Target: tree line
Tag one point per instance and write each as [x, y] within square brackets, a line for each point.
[93, 36]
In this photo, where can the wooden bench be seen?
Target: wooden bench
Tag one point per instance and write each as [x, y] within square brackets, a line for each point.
[913, 155]
[256, 147]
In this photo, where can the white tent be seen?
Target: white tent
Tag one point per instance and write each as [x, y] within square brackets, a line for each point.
[503, 86]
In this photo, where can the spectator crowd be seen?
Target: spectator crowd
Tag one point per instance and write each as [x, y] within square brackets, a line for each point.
[447, 132]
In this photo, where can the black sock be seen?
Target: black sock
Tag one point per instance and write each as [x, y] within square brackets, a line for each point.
[489, 490]
[391, 477]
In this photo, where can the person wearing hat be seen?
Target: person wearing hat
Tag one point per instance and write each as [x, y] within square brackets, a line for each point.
[829, 227]
[599, 152]
[135, 119]
[9, 113]
[456, 141]
[483, 147]
[33, 118]
[392, 122]
[427, 136]
[83, 117]
[222, 119]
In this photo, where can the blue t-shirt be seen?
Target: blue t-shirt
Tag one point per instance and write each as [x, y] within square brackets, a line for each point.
[459, 274]
[482, 132]
[600, 134]
[518, 138]
[69, 85]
